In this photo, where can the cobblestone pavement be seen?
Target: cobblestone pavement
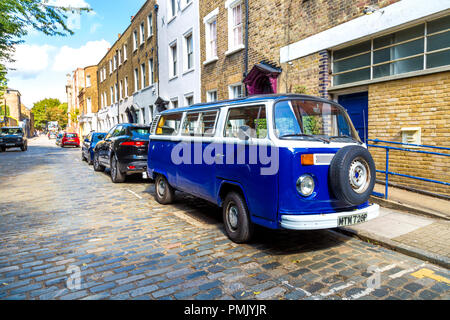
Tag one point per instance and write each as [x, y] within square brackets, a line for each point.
[58, 217]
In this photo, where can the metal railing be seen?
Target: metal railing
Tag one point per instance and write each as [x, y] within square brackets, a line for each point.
[387, 173]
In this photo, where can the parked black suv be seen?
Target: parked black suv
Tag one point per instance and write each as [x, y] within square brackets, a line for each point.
[123, 150]
[12, 137]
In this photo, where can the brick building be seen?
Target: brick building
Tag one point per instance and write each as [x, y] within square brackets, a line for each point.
[76, 82]
[88, 101]
[128, 73]
[387, 62]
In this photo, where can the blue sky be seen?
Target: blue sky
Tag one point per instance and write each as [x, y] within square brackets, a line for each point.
[42, 62]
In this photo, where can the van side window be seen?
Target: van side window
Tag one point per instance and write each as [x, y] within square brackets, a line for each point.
[251, 119]
[208, 123]
[190, 125]
[169, 124]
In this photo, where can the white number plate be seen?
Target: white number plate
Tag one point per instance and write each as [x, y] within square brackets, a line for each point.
[352, 220]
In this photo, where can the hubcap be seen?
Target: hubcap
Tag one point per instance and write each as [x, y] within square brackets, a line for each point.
[161, 188]
[232, 214]
[359, 175]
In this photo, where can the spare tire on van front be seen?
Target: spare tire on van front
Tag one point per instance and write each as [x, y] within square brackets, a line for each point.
[352, 175]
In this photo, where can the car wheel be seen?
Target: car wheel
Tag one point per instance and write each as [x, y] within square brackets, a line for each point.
[89, 160]
[97, 166]
[24, 148]
[83, 158]
[236, 218]
[116, 175]
[2, 149]
[164, 193]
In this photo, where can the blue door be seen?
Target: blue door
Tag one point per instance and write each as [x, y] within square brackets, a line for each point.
[357, 105]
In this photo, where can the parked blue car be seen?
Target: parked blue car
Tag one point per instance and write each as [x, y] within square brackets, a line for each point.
[280, 161]
[88, 145]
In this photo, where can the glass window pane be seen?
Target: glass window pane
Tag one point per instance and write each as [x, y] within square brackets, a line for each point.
[190, 126]
[438, 41]
[400, 51]
[398, 67]
[438, 25]
[250, 119]
[352, 63]
[353, 76]
[169, 124]
[346, 52]
[438, 59]
[208, 123]
[399, 36]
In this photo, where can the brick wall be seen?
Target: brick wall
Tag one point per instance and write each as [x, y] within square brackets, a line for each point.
[92, 91]
[423, 102]
[228, 69]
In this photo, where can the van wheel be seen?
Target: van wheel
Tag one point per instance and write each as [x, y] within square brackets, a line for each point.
[236, 218]
[164, 193]
[97, 166]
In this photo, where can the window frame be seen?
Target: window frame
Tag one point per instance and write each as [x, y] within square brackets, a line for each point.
[260, 105]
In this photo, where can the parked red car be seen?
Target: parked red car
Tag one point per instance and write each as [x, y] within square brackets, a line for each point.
[70, 139]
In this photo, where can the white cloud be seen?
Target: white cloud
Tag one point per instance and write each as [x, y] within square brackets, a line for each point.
[30, 60]
[69, 58]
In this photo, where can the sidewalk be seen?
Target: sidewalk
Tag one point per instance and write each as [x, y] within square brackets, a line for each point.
[419, 226]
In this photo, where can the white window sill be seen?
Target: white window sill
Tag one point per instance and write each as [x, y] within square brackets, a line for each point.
[173, 78]
[188, 71]
[210, 60]
[187, 6]
[234, 50]
[171, 19]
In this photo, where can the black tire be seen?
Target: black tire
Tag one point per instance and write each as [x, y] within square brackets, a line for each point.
[97, 166]
[236, 218]
[164, 193]
[83, 158]
[89, 160]
[24, 148]
[3, 149]
[116, 175]
[352, 175]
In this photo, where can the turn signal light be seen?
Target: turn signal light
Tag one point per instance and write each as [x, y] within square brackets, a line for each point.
[307, 159]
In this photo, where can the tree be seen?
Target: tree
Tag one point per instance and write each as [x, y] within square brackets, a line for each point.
[19, 16]
[49, 110]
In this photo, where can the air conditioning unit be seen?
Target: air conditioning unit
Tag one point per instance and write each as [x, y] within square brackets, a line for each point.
[412, 135]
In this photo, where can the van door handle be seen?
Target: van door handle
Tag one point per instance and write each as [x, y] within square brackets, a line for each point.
[220, 155]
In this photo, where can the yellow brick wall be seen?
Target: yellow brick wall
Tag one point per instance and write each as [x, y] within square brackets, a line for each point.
[424, 102]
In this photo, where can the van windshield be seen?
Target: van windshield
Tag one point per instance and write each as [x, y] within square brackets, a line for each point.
[11, 131]
[314, 120]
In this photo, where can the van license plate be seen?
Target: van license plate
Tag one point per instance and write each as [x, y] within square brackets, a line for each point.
[352, 220]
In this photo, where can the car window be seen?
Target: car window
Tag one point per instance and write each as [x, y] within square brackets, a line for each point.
[71, 135]
[207, 126]
[169, 125]
[110, 133]
[191, 124]
[140, 132]
[11, 131]
[98, 137]
[249, 119]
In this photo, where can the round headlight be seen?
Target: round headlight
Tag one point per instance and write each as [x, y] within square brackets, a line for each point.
[305, 185]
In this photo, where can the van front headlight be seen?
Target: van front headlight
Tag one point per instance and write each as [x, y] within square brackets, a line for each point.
[305, 185]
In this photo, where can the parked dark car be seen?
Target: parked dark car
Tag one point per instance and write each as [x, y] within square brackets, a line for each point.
[124, 151]
[89, 143]
[12, 137]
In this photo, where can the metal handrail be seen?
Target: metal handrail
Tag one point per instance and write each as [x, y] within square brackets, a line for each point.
[387, 172]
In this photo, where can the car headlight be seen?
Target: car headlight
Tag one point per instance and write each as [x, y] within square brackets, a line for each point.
[305, 185]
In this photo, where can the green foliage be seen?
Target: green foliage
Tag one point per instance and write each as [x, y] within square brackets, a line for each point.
[49, 110]
[74, 114]
[312, 125]
[299, 89]
[17, 17]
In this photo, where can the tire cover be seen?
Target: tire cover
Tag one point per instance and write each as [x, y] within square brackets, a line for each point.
[352, 175]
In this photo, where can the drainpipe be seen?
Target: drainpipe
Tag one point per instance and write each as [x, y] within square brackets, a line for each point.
[246, 45]
[118, 94]
[157, 57]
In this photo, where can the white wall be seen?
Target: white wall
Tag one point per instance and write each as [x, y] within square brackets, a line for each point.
[170, 30]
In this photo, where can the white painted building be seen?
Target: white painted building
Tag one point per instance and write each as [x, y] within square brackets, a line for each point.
[179, 52]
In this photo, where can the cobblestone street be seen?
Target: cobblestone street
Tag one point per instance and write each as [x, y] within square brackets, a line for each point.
[58, 215]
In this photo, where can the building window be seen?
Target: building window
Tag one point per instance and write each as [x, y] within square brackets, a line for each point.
[89, 105]
[136, 80]
[210, 22]
[174, 103]
[235, 39]
[189, 52]
[211, 96]
[135, 40]
[142, 32]
[235, 91]
[119, 53]
[172, 8]
[173, 60]
[88, 81]
[126, 87]
[110, 67]
[115, 62]
[143, 116]
[116, 92]
[121, 90]
[189, 100]
[150, 72]
[124, 52]
[150, 25]
[112, 95]
[143, 76]
[422, 47]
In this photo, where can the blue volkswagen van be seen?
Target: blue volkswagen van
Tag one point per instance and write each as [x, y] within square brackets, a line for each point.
[280, 161]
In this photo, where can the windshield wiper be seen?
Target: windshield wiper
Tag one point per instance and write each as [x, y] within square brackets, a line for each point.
[345, 136]
[305, 135]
